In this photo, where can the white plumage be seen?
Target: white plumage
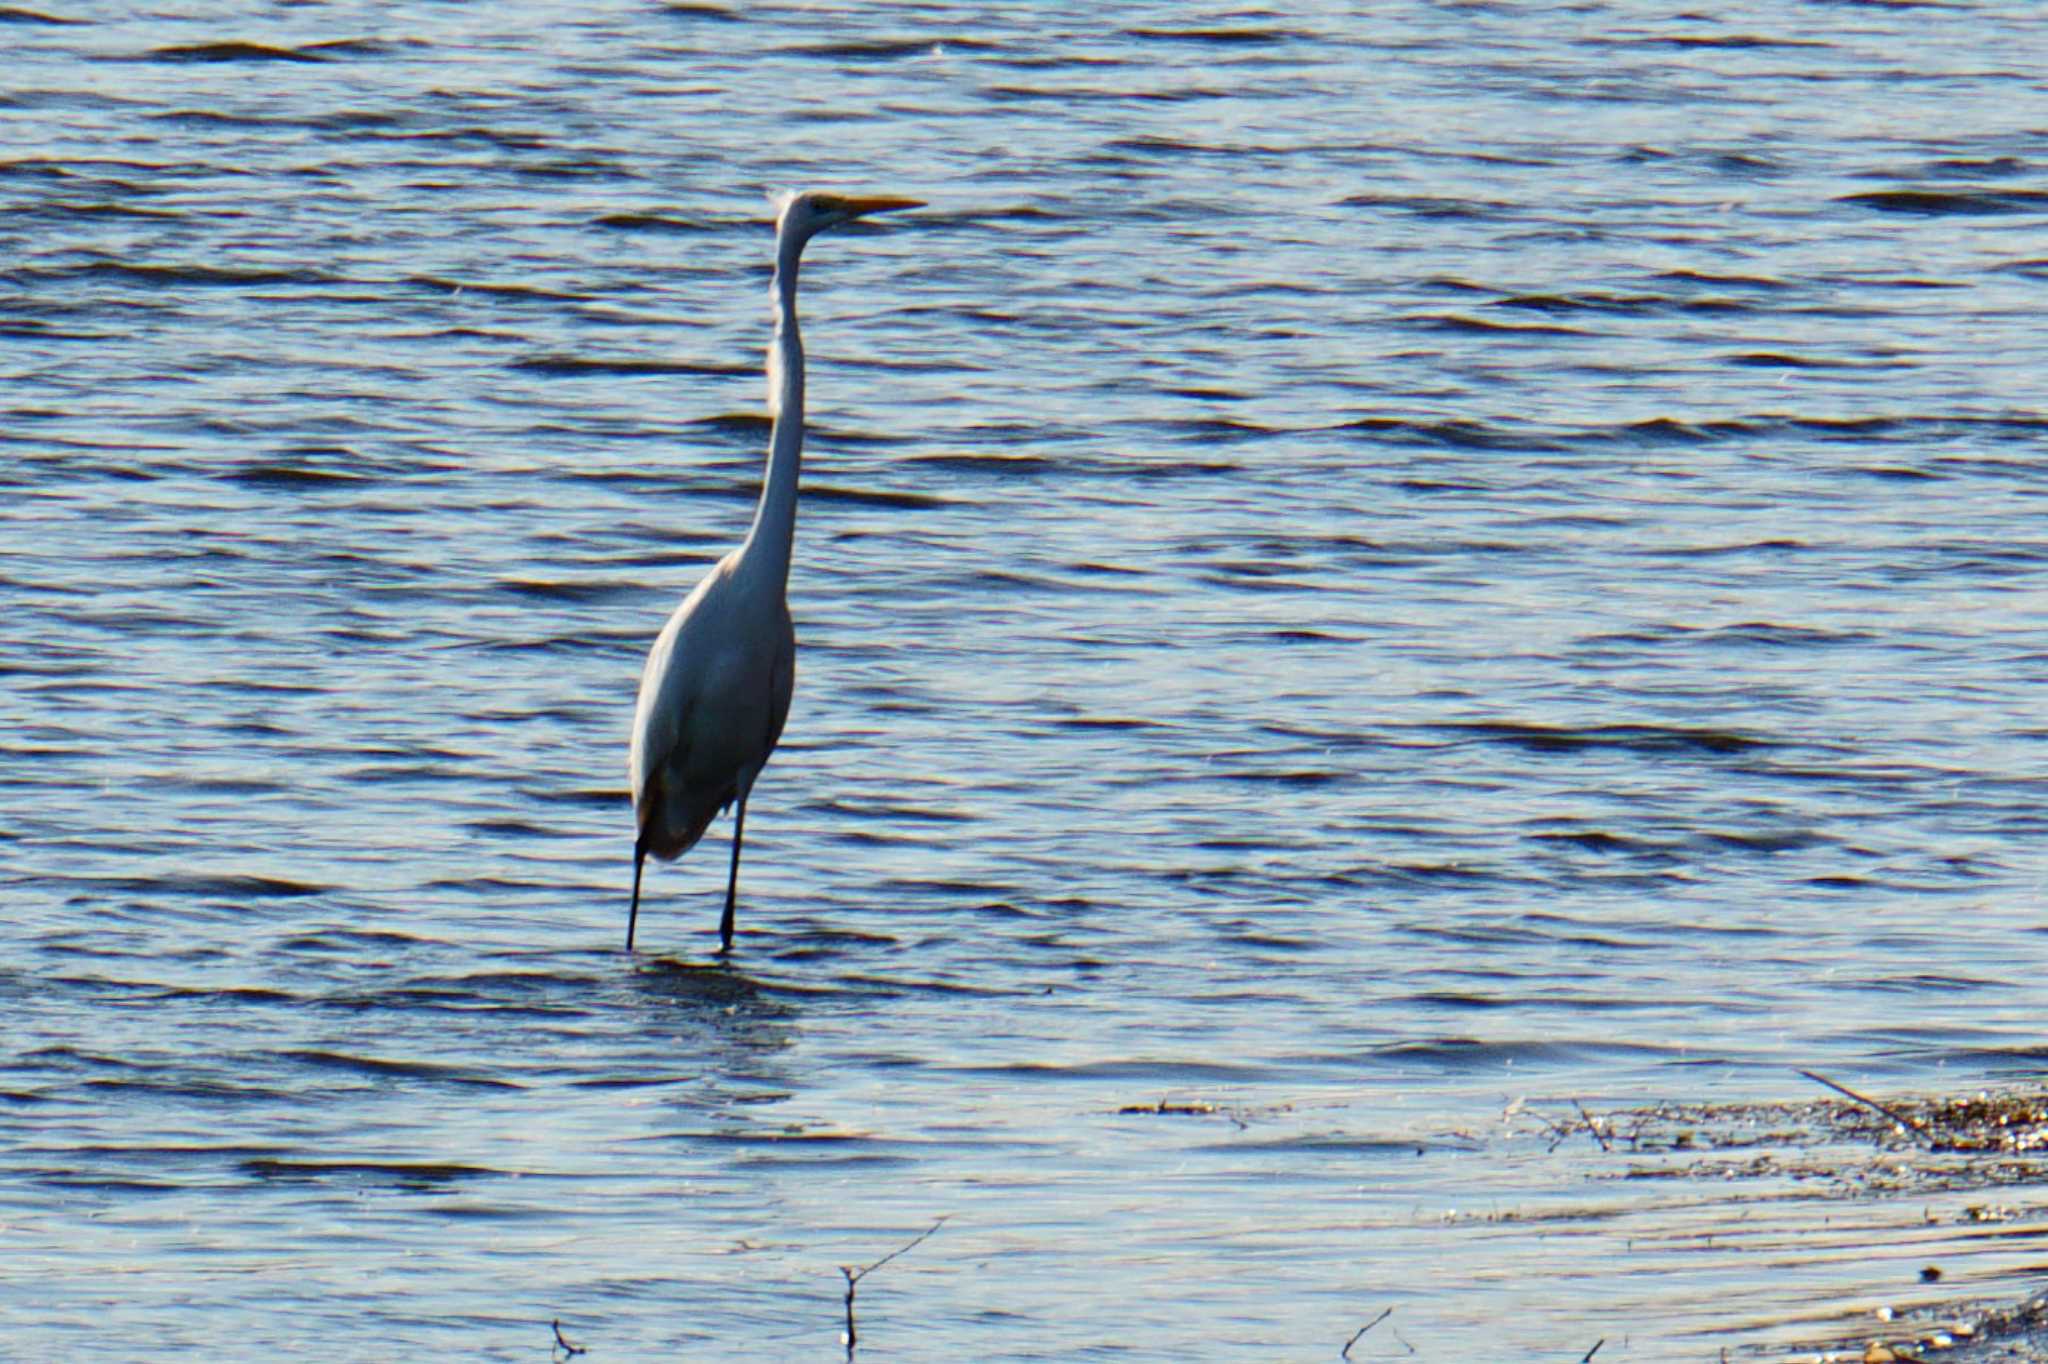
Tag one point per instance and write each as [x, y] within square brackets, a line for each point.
[717, 684]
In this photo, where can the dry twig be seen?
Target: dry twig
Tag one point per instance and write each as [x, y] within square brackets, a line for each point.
[1345, 1353]
[1901, 1119]
[1592, 1126]
[1587, 1358]
[1559, 1131]
[562, 1347]
[854, 1276]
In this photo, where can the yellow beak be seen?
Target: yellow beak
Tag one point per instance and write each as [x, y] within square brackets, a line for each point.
[855, 207]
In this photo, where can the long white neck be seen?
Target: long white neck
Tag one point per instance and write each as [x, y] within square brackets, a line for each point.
[768, 544]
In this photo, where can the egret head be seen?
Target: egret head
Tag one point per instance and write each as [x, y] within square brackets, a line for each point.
[802, 216]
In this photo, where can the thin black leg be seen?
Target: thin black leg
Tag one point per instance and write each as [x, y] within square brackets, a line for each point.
[732, 880]
[633, 915]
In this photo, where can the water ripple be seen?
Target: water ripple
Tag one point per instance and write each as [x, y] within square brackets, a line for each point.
[1358, 575]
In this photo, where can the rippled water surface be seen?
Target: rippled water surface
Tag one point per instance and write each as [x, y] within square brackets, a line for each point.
[1356, 569]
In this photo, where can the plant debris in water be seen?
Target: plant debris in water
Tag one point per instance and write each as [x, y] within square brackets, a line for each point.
[1855, 1148]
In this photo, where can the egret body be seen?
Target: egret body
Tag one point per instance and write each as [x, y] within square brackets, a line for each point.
[717, 683]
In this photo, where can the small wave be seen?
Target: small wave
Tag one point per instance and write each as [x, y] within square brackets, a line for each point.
[292, 476]
[213, 1093]
[1217, 37]
[1151, 1071]
[582, 592]
[1737, 41]
[404, 1173]
[1723, 281]
[1294, 780]
[1595, 840]
[234, 996]
[9, 14]
[352, 120]
[675, 9]
[38, 331]
[108, 1184]
[1579, 303]
[345, 941]
[214, 118]
[1915, 427]
[216, 887]
[1469, 1053]
[88, 1059]
[36, 167]
[849, 1149]
[504, 139]
[891, 812]
[362, 47]
[1219, 430]
[1714, 551]
[1109, 722]
[212, 276]
[1463, 322]
[1454, 433]
[231, 52]
[384, 1069]
[1772, 841]
[1425, 206]
[224, 786]
[572, 168]
[1755, 167]
[1325, 1145]
[737, 423]
[1299, 636]
[1670, 430]
[595, 798]
[883, 50]
[513, 828]
[1988, 168]
[1432, 873]
[1163, 469]
[1620, 304]
[1633, 738]
[567, 365]
[1770, 359]
[470, 286]
[868, 497]
[987, 464]
[1941, 203]
[60, 209]
[1770, 635]
[997, 580]
[1458, 999]
[648, 222]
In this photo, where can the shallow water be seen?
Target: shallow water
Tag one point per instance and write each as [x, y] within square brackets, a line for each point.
[1354, 570]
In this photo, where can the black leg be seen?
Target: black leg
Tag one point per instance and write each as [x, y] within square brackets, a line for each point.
[732, 880]
[633, 915]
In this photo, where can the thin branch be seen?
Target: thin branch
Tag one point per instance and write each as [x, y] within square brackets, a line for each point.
[1892, 1113]
[1591, 1126]
[1587, 1358]
[1345, 1353]
[1559, 1131]
[562, 1344]
[854, 1276]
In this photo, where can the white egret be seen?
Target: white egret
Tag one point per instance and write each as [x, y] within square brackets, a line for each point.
[717, 683]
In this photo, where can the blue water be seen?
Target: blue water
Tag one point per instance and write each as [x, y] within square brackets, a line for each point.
[1354, 569]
